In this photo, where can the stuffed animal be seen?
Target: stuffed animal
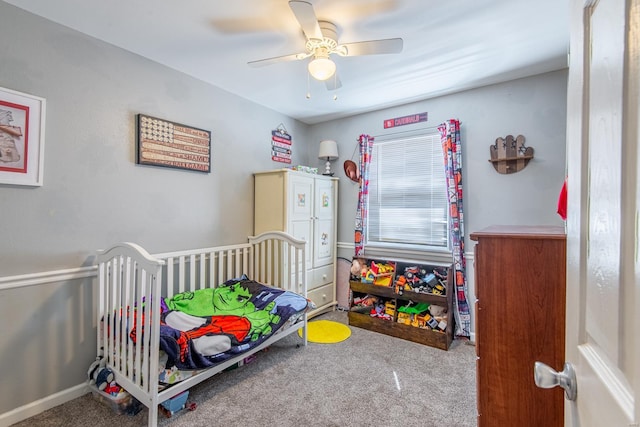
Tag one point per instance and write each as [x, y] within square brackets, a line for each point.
[104, 378]
[437, 310]
[95, 367]
[358, 267]
[99, 374]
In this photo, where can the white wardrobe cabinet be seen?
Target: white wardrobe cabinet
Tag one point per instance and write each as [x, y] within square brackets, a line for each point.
[303, 205]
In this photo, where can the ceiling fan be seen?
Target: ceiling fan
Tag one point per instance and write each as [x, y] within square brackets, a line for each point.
[322, 41]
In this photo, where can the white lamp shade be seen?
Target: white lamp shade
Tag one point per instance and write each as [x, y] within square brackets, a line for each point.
[328, 150]
[322, 68]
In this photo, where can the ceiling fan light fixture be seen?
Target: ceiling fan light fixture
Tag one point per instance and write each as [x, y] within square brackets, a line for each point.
[321, 68]
[322, 41]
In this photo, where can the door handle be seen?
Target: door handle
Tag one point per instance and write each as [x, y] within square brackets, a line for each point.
[547, 377]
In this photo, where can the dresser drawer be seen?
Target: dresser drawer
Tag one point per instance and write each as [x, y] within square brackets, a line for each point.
[319, 277]
[323, 295]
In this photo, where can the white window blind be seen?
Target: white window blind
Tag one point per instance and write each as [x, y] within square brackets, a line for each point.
[408, 193]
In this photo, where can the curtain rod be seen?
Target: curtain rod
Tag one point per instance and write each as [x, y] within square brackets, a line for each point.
[407, 131]
[397, 133]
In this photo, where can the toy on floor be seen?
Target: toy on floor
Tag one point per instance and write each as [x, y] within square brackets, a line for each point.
[176, 404]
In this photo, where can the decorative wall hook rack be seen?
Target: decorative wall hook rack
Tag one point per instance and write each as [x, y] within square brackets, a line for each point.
[509, 155]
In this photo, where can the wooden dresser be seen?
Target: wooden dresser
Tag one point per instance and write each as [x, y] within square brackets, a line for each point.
[520, 319]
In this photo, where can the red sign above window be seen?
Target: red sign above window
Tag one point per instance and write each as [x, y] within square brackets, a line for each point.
[405, 120]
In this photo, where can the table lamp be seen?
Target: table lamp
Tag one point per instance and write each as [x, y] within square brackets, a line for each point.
[328, 151]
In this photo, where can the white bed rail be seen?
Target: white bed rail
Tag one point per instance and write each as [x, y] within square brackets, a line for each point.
[204, 268]
[129, 279]
[279, 260]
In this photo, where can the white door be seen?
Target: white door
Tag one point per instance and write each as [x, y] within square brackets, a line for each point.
[602, 269]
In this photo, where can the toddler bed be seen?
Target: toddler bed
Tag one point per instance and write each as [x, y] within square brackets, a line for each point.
[182, 317]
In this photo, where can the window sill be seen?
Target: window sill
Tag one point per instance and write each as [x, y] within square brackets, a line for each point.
[433, 256]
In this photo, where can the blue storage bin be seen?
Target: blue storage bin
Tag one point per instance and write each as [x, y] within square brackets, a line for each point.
[176, 403]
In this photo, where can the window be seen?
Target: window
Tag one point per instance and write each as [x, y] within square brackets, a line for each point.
[408, 204]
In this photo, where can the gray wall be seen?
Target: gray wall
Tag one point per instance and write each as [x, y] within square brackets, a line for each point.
[94, 194]
[534, 107]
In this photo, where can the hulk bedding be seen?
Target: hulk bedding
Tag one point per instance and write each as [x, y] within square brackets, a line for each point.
[203, 328]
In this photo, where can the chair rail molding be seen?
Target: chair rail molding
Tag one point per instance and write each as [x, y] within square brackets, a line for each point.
[45, 277]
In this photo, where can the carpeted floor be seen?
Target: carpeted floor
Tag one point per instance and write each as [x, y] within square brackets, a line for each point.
[368, 379]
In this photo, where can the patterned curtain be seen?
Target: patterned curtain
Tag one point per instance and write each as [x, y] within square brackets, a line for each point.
[366, 147]
[452, 151]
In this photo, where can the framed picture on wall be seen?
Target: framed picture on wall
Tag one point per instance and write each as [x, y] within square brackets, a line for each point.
[22, 118]
[164, 143]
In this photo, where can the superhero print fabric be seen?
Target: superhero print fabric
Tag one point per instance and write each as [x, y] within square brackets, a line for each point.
[203, 328]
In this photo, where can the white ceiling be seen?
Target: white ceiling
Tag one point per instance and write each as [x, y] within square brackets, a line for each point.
[449, 45]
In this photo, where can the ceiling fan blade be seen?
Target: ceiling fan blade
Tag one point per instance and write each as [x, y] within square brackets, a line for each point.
[306, 18]
[374, 47]
[333, 83]
[274, 60]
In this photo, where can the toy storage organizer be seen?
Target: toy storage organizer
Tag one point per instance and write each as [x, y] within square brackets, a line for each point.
[397, 298]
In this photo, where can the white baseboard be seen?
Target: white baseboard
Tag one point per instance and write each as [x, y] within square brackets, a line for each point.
[34, 408]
